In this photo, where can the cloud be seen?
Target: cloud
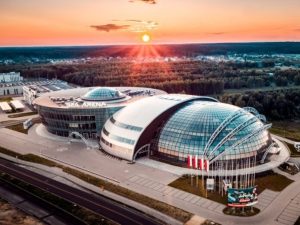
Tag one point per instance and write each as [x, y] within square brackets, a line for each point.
[132, 25]
[138, 21]
[217, 33]
[110, 27]
[138, 26]
[297, 29]
[145, 1]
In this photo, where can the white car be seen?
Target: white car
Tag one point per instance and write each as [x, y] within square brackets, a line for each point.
[297, 146]
[274, 150]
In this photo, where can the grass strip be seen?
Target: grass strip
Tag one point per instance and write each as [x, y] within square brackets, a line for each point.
[22, 114]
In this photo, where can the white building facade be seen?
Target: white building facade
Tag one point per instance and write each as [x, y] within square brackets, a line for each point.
[10, 77]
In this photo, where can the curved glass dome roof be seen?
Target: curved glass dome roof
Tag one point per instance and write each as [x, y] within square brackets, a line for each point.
[103, 94]
[208, 128]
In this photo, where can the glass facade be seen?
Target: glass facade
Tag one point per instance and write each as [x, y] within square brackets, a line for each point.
[86, 121]
[118, 138]
[103, 94]
[125, 126]
[190, 129]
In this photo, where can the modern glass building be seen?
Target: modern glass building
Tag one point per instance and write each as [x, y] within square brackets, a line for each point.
[85, 110]
[171, 128]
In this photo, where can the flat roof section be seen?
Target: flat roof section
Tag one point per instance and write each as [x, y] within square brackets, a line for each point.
[71, 98]
[5, 107]
[17, 104]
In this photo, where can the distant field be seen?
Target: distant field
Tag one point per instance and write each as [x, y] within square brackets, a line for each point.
[262, 89]
[288, 129]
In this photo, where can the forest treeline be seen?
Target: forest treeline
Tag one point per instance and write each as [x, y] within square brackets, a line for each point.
[190, 77]
[275, 105]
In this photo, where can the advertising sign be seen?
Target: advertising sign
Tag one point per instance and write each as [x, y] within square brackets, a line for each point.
[241, 197]
[210, 184]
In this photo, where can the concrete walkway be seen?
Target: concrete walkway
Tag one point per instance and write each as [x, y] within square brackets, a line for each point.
[290, 214]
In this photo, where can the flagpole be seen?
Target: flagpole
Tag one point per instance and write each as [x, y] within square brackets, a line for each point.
[202, 171]
[196, 165]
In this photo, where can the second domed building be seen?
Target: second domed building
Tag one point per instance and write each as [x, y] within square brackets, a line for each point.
[172, 128]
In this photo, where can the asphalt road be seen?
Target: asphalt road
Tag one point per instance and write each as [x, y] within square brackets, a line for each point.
[103, 206]
[283, 139]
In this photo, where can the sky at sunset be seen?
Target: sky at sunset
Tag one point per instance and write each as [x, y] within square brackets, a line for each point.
[99, 22]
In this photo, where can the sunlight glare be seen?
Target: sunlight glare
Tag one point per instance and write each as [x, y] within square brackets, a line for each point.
[146, 38]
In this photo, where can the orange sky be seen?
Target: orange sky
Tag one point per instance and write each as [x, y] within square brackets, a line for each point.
[96, 22]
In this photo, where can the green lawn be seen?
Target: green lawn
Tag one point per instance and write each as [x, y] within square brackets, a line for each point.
[268, 180]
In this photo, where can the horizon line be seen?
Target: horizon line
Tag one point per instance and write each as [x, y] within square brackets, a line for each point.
[120, 44]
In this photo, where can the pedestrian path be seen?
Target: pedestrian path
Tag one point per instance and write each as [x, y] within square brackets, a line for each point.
[168, 191]
[290, 214]
[266, 198]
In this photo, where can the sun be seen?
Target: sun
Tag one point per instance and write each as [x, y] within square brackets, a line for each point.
[146, 38]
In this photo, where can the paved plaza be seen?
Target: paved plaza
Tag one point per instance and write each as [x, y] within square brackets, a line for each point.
[149, 180]
[173, 193]
[266, 198]
[290, 214]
